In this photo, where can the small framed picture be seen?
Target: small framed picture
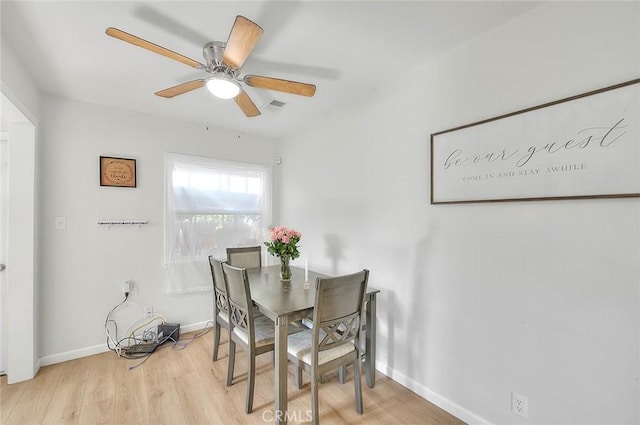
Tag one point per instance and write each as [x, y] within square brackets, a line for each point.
[120, 172]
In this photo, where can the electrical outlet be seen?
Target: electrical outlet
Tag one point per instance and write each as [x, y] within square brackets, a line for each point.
[126, 288]
[148, 311]
[519, 405]
[60, 223]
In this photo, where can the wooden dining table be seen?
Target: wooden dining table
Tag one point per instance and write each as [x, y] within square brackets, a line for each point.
[287, 301]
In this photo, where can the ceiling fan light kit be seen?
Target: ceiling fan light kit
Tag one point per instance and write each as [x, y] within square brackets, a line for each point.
[223, 87]
[223, 62]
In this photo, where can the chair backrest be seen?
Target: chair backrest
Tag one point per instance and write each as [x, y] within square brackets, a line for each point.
[245, 257]
[338, 308]
[239, 296]
[219, 288]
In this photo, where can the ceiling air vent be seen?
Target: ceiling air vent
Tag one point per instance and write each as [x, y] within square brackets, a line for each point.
[274, 105]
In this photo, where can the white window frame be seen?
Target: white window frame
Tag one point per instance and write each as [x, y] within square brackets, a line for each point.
[190, 272]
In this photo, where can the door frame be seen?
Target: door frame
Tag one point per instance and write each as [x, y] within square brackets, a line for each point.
[21, 314]
[4, 201]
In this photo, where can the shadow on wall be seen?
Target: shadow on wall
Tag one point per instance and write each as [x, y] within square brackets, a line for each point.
[335, 250]
[419, 316]
[391, 305]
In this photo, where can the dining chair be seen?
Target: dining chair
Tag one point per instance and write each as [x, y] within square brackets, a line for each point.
[334, 340]
[254, 334]
[245, 257]
[220, 303]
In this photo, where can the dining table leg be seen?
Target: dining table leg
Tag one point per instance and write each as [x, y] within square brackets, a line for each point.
[370, 341]
[280, 414]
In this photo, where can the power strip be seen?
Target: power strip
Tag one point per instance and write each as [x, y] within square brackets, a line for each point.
[141, 348]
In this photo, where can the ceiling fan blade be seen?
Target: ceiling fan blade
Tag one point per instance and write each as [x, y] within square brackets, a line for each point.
[302, 89]
[137, 41]
[246, 104]
[243, 37]
[180, 88]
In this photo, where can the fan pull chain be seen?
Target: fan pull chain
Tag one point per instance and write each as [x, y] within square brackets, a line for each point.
[209, 109]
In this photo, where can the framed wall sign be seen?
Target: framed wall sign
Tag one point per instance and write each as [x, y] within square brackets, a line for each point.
[119, 172]
[584, 146]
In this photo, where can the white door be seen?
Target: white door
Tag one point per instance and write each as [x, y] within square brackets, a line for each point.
[4, 162]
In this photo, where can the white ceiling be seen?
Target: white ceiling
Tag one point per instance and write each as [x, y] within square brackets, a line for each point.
[345, 48]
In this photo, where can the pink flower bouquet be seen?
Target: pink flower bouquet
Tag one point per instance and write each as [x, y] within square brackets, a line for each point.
[284, 242]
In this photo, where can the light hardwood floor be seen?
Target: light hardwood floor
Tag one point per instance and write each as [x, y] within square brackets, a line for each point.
[177, 387]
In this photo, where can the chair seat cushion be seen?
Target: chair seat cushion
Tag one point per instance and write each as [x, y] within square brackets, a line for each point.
[263, 328]
[224, 317]
[300, 345]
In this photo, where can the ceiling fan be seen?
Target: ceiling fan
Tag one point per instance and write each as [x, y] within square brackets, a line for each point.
[224, 62]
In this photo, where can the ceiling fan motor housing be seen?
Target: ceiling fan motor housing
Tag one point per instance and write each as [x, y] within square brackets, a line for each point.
[212, 52]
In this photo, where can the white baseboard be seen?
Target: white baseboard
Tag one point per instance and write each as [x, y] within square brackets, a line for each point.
[73, 354]
[102, 348]
[433, 397]
[196, 326]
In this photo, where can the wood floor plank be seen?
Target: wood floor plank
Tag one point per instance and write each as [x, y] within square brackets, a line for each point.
[102, 380]
[66, 404]
[97, 411]
[214, 378]
[197, 406]
[162, 396]
[77, 370]
[183, 387]
[131, 398]
[180, 365]
[99, 403]
[9, 396]
[34, 400]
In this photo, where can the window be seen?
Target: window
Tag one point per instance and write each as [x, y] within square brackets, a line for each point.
[211, 205]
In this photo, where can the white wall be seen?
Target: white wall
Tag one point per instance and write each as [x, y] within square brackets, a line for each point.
[85, 265]
[477, 301]
[17, 84]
